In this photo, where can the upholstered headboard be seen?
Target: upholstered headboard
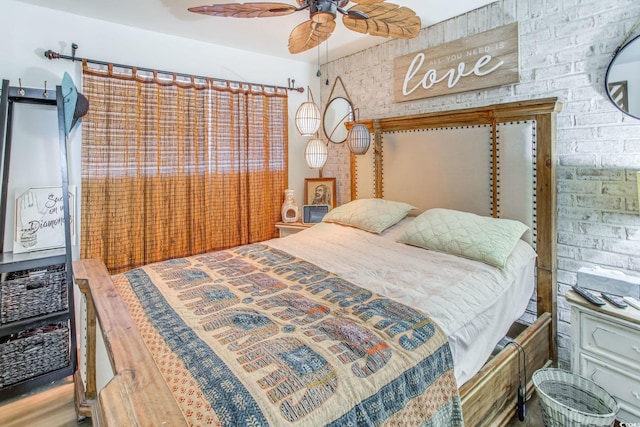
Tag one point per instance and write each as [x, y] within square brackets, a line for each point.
[453, 168]
[496, 160]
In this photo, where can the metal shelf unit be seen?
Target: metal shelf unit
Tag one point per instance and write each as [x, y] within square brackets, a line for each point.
[10, 97]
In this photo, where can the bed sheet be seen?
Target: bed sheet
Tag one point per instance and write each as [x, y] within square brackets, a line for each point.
[474, 303]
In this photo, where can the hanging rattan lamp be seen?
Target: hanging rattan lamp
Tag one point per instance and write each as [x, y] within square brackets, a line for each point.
[316, 153]
[308, 117]
[359, 139]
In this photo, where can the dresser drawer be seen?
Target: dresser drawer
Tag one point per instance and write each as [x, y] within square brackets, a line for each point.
[624, 386]
[615, 341]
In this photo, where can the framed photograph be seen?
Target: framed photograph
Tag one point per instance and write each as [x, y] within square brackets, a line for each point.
[320, 191]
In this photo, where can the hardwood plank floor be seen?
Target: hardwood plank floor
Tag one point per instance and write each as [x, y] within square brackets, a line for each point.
[47, 406]
[53, 406]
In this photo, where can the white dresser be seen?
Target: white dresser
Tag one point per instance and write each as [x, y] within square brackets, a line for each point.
[605, 348]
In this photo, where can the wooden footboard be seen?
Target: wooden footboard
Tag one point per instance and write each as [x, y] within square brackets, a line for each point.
[138, 395]
[489, 398]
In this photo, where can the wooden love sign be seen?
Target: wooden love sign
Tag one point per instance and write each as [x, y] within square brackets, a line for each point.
[484, 60]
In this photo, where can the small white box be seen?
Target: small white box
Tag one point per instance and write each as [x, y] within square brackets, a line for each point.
[611, 281]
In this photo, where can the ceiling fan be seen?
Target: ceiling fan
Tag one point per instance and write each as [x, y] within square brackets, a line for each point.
[374, 17]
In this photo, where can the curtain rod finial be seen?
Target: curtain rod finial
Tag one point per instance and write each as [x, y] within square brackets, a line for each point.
[51, 54]
[291, 85]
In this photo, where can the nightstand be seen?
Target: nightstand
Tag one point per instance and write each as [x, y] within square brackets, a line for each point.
[287, 228]
[605, 348]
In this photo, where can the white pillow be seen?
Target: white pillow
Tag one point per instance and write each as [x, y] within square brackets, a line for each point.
[373, 215]
[464, 234]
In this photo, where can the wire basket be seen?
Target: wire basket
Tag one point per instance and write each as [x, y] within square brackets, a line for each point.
[569, 399]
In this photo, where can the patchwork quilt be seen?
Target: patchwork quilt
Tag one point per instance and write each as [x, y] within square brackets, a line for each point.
[253, 336]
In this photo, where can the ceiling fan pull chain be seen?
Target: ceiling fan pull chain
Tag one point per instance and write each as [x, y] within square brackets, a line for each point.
[318, 73]
[326, 82]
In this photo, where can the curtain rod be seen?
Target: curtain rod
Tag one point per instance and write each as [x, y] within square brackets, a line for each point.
[54, 55]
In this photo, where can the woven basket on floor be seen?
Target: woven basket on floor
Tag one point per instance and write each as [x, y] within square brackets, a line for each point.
[33, 352]
[32, 293]
[569, 399]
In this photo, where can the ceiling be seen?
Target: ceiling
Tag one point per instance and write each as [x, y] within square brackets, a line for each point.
[268, 36]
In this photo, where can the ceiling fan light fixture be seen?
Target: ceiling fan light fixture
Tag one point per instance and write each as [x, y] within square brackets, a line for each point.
[374, 17]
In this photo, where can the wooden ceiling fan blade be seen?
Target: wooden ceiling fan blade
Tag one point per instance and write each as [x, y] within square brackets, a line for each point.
[247, 10]
[385, 20]
[310, 34]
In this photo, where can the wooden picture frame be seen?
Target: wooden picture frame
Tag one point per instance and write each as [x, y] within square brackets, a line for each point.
[320, 191]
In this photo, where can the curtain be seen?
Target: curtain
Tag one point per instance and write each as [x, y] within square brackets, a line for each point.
[174, 167]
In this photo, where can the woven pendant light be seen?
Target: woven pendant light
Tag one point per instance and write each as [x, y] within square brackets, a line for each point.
[308, 117]
[359, 139]
[316, 153]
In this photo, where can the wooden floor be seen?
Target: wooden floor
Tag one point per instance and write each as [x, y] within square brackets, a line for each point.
[47, 406]
[53, 406]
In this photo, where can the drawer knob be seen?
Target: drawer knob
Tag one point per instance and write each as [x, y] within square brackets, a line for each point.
[636, 394]
[636, 348]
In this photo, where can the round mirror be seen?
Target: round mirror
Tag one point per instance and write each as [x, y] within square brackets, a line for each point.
[338, 111]
[623, 78]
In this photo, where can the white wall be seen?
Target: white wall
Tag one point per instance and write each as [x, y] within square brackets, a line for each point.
[27, 31]
[565, 48]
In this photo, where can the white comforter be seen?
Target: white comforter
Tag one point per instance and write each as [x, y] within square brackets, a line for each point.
[474, 303]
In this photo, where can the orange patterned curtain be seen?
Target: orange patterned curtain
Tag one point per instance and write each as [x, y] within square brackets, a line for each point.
[172, 168]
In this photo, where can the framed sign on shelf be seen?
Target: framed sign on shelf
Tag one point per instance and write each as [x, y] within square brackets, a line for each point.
[320, 191]
[39, 219]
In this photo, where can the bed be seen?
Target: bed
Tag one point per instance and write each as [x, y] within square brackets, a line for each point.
[139, 395]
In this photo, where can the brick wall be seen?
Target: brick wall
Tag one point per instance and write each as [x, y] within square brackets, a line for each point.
[565, 48]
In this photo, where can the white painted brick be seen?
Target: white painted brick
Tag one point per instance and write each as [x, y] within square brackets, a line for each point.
[566, 172]
[566, 251]
[568, 277]
[621, 247]
[591, 229]
[617, 131]
[600, 174]
[583, 214]
[623, 189]
[603, 258]
[599, 202]
[583, 133]
[618, 218]
[579, 160]
[597, 118]
[632, 146]
[578, 240]
[583, 187]
[599, 146]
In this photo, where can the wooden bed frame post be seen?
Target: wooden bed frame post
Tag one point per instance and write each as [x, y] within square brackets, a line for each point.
[547, 222]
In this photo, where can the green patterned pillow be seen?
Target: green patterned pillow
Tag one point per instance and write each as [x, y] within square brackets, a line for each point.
[476, 237]
[373, 215]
